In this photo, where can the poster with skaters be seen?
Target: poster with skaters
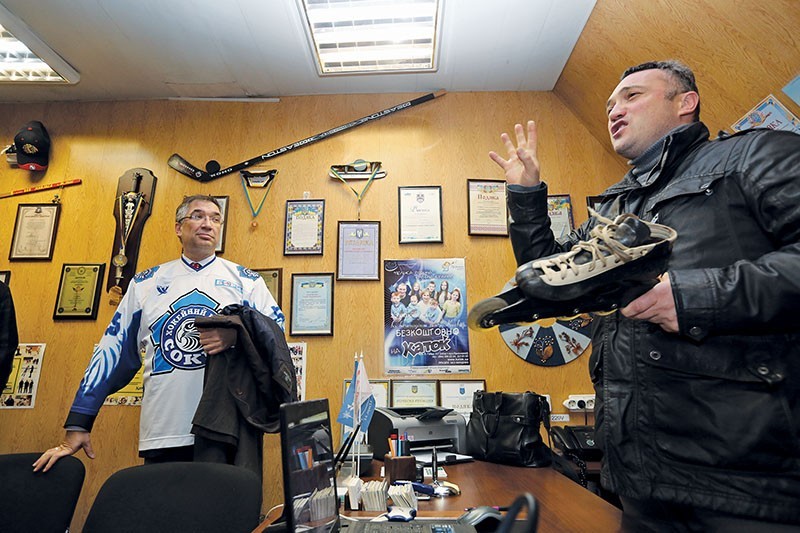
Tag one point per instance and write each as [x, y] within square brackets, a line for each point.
[20, 391]
[425, 311]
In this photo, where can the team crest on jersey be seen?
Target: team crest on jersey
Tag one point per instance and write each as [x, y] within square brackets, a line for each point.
[175, 338]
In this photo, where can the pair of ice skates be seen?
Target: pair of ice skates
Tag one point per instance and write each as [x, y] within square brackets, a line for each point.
[621, 261]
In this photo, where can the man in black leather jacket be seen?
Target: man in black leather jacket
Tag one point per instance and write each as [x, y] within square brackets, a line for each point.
[698, 380]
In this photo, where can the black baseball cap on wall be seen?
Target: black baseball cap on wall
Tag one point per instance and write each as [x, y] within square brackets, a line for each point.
[33, 146]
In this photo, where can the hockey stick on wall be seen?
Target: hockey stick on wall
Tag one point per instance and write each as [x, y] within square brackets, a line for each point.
[213, 171]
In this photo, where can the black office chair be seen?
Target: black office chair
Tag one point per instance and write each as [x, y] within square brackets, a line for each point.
[171, 497]
[531, 524]
[36, 501]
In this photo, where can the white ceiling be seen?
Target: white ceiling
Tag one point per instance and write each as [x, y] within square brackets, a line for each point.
[155, 49]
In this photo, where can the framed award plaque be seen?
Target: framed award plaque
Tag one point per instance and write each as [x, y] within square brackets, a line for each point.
[79, 291]
[34, 232]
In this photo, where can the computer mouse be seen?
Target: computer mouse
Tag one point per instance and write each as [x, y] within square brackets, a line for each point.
[483, 518]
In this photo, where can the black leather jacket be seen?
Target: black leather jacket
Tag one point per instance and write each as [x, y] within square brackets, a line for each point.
[710, 416]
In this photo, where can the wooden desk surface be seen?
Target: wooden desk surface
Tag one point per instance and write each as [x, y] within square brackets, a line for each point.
[564, 506]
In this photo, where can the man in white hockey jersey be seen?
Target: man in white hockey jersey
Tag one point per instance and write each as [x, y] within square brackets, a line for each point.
[156, 319]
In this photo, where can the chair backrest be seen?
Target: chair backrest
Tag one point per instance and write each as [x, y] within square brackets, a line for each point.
[42, 502]
[170, 497]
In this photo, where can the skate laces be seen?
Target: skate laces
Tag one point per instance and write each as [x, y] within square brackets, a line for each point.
[602, 246]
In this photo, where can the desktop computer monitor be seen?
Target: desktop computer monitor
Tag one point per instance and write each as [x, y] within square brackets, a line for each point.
[309, 478]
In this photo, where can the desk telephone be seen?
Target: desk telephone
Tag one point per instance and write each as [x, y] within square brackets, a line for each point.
[578, 440]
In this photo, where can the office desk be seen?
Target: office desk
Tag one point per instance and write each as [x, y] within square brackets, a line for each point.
[564, 506]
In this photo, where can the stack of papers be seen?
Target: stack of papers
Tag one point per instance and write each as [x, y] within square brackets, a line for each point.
[323, 504]
[373, 495]
[403, 496]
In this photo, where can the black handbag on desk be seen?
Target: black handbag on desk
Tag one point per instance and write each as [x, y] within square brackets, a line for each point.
[504, 428]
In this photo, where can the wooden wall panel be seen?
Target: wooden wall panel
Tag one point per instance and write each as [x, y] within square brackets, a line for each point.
[444, 142]
[740, 51]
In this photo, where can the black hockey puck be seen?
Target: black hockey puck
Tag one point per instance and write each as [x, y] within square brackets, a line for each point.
[212, 166]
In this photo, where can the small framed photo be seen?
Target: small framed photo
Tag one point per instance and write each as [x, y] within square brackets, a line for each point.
[273, 277]
[34, 232]
[420, 214]
[380, 390]
[359, 251]
[559, 208]
[487, 209]
[593, 202]
[457, 394]
[312, 304]
[305, 227]
[5, 276]
[414, 393]
[223, 209]
[79, 291]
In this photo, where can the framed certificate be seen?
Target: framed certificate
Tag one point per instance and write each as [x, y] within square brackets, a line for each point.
[305, 227]
[559, 208]
[420, 214]
[380, 390]
[5, 276]
[312, 304]
[223, 209]
[359, 250]
[273, 277]
[79, 291]
[457, 395]
[487, 209]
[34, 232]
[414, 393]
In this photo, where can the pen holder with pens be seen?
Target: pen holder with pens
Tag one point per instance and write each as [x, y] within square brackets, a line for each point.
[400, 468]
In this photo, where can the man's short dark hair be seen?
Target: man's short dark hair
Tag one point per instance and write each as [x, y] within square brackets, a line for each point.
[681, 74]
[183, 209]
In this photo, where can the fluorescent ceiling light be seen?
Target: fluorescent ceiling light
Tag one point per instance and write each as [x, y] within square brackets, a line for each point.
[373, 36]
[33, 61]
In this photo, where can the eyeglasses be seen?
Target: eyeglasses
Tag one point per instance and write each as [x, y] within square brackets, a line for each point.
[199, 217]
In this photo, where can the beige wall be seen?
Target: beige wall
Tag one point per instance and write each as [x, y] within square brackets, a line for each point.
[740, 51]
[443, 142]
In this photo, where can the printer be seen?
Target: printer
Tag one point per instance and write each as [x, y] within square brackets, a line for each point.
[423, 427]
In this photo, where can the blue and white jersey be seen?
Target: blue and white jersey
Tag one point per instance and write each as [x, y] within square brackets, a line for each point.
[154, 326]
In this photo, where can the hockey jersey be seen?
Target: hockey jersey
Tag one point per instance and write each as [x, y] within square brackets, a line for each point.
[154, 326]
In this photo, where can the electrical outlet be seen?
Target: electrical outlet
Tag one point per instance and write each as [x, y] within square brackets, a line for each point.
[549, 403]
[580, 402]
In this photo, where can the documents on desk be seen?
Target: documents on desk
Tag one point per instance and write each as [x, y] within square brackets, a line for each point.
[422, 427]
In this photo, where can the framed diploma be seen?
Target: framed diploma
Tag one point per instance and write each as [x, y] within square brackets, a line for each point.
[312, 304]
[223, 209]
[305, 227]
[380, 390]
[359, 250]
[457, 395]
[420, 214]
[593, 202]
[487, 209]
[559, 208]
[79, 291]
[273, 277]
[414, 393]
[34, 232]
[5, 276]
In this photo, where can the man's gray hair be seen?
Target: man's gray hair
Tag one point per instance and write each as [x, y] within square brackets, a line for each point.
[681, 75]
[183, 209]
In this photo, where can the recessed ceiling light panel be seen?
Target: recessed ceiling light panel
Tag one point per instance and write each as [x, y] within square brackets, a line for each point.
[373, 36]
[32, 62]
